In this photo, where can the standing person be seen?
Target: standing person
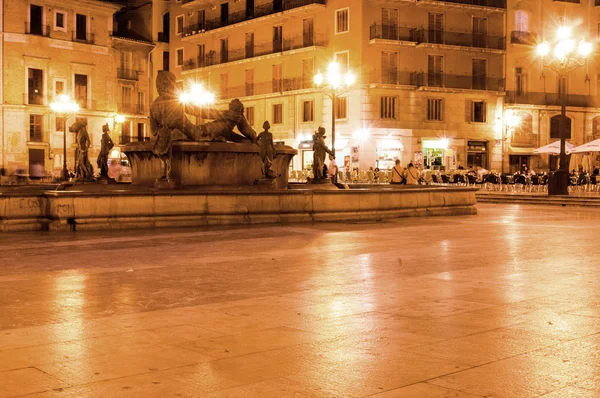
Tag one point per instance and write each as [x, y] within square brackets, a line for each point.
[397, 173]
[333, 169]
[412, 175]
[106, 144]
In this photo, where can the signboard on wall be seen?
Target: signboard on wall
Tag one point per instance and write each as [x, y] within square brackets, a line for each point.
[355, 154]
[347, 162]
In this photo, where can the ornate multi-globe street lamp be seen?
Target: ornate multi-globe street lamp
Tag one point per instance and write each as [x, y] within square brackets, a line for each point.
[562, 56]
[64, 106]
[334, 84]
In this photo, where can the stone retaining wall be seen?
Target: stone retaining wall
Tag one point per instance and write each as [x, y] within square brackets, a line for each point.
[78, 210]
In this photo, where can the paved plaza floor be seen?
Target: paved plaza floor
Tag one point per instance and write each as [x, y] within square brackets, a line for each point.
[505, 303]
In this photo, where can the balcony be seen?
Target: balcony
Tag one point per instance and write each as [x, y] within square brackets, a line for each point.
[460, 82]
[527, 38]
[392, 32]
[552, 99]
[478, 3]
[127, 74]
[392, 76]
[131, 109]
[444, 37]
[163, 37]
[241, 16]
[265, 88]
[38, 30]
[81, 37]
[568, 1]
[247, 52]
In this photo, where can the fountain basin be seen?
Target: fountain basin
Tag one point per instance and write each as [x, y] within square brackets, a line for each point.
[214, 164]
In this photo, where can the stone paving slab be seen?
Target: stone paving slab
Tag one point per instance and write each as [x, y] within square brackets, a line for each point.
[505, 303]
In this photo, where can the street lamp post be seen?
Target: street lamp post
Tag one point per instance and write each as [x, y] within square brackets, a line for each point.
[335, 85]
[64, 106]
[564, 55]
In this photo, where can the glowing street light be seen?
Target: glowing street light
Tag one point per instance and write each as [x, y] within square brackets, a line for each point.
[563, 56]
[334, 84]
[197, 95]
[64, 106]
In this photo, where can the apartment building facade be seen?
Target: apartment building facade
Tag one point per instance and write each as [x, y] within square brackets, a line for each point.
[52, 47]
[429, 84]
[533, 90]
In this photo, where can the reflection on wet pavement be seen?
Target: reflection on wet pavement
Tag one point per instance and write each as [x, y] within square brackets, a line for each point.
[505, 303]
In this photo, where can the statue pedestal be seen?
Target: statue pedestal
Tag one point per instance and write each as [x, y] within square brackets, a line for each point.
[164, 184]
[268, 183]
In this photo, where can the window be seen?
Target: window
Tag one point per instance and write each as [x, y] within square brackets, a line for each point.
[343, 59]
[179, 57]
[277, 39]
[521, 21]
[277, 85]
[479, 69]
[140, 131]
[126, 92]
[127, 60]
[436, 28]
[249, 44]
[342, 20]
[435, 70]
[308, 32]
[250, 115]
[434, 109]
[389, 68]
[81, 27]
[59, 124]
[520, 81]
[480, 32]
[389, 23]
[201, 55]
[141, 104]
[388, 108]
[308, 111]
[36, 86]
[165, 60]
[478, 111]
[341, 108]
[277, 113]
[35, 128]
[249, 83]
[224, 83]
[308, 71]
[201, 20]
[224, 50]
[555, 127]
[81, 92]
[126, 132]
[36, 17]
[179, 25]
[60, 21]
[59, 87]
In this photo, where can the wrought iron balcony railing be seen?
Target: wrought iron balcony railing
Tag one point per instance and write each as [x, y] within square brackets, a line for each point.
[82, 37]
[264, 88]
[460, 39]
[463, 82]
[392, 32]
[240, 16]
[214, 58]
[131, 108]
[479, 3]
[537, 98]
[127, 74]
[163, 37]
[37, 29]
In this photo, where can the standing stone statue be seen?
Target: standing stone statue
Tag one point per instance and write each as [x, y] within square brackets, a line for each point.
[267, 150]
[106, 144]
[83, 170]
[320, 150]
[167, 120]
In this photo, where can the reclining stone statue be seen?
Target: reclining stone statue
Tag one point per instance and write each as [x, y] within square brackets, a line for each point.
[168, 121]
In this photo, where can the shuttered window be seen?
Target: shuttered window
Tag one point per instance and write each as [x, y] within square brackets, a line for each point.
[388, 108]
[342, 20]
[434, 109]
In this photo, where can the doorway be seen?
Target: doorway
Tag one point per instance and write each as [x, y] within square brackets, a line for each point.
[36, 163]
[518, 163]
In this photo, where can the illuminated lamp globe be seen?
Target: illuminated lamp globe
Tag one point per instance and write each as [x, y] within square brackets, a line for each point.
[564, 32]
[584, 48]
[318, 79]
[543, 49]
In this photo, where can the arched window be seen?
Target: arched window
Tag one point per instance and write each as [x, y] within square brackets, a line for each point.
[555, 127]
[522, 21]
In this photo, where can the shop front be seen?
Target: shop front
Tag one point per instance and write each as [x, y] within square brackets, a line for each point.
[442, 153]
[305, 150]
[387, 151]
[477, 154]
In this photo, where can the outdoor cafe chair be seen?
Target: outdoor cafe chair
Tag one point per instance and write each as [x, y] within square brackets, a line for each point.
[445, 179]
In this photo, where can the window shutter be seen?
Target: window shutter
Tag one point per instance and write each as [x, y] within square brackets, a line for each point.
[468, 110]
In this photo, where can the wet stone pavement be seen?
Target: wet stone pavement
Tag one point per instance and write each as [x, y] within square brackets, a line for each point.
[503, 304]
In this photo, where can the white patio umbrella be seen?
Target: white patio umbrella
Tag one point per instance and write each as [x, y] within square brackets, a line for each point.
[592, 146]
[554, 148]
[574, 162]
